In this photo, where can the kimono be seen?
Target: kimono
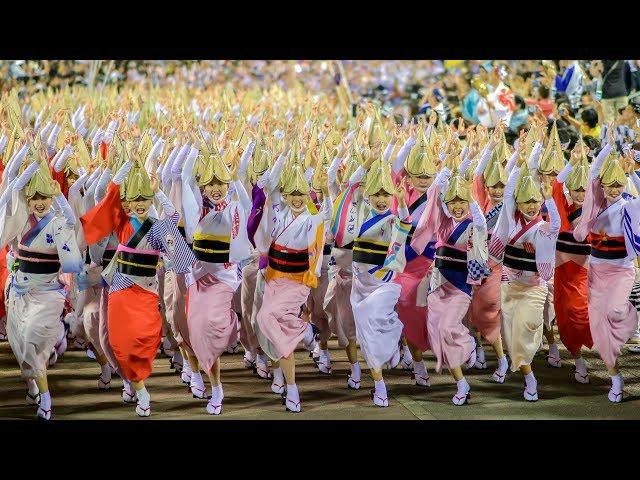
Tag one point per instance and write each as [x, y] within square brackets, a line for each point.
[527, 250]
[460, 261]
[248, 336]
[373, 294]
[220, 244]
[612, 231]
[294, 265]
[571, 301]
[41, 248]
[316, 300]
[484, 311]
[134, 321]
[411, 312]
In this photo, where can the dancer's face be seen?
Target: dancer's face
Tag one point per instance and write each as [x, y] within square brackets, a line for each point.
[380, 202]
[40, 205]
[577, 196]
[216, 191]
[140, 207]
[530, 209]
[458, 208]
[612, 192]
[297, 201]
[72, 178]
[496, 193]
[421, 183]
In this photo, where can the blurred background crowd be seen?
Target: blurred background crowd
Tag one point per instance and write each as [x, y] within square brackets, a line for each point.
[585, 97]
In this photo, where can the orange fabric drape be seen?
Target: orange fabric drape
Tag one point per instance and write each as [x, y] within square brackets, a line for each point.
[106, 217]
[135, 330]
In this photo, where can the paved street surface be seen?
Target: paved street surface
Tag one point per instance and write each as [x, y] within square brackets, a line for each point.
[73, 382]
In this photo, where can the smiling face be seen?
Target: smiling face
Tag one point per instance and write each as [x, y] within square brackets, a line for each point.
[140, 207]
[421, 184]
[380, 201]
[530, 209]
[496, 193]
[458, 208]
[297, 201]
[577, 196]
[40, 205]
[216, 191]
[612, 192]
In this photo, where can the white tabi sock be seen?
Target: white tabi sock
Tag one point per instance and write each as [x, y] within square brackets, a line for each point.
[308, 335]
[144, 398]
[356, 373]
[503, 365]
[278, 376]
[480, 354]
[186, 366]
[553, 350]
[463, 386]
[262, 360]
[250, 356]
[45, 401]
[420, 369]
[292, 393]
[406, 352]
[325, 354]
[617, 383]
[581, 367]
[381, 389]
[33, 387]
[532, 383]
[105, 373]
[216, 395]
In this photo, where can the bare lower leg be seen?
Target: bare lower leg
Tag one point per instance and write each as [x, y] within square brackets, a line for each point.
[376, 374]
[548, 334]
[324, 345]
[193, 363]
[214, 373]
[613, 371]
[184, 353]
[416, 353]
[101, 359]
[43, 385]
[497, 347]
[352, 351]
[138, 385]
[456, 373]
[288, 365]
[525, 369]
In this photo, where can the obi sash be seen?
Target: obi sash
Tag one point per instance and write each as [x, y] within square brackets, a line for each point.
[35, 262]
[288, 260]
[451, 262]
[518, 258]
[211, 248]
[369, 251]
[568, 244]
[609, 248]
[134, 263]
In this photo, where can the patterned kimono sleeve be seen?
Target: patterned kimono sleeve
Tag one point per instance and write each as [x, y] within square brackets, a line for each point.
[64, 237]
[396, 260]
[477, 256]
[179, 254]
[546, 237]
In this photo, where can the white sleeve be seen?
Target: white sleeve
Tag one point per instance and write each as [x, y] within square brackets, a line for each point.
[564, 173]
[167, 206]
[274, 175]
[358, 175]
[243, 197]
[484, 160]
[596, 165]
[244, 161]
[66, 209]
[402, 155]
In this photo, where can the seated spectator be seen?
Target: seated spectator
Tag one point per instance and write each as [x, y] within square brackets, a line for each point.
[541, 98]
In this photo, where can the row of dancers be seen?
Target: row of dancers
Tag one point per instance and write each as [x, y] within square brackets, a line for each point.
[278, 220]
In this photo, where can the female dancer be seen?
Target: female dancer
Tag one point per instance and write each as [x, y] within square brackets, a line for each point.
[134, 321]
